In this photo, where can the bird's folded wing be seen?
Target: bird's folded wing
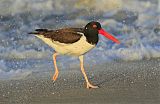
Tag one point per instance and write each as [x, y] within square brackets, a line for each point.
[66, 35]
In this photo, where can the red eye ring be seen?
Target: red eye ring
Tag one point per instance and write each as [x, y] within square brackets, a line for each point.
[94, 26]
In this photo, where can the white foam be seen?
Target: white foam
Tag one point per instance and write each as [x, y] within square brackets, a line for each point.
[26, 54]
[15, 74]
[55, 6]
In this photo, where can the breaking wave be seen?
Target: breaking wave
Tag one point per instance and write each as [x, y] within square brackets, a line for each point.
[135, 23]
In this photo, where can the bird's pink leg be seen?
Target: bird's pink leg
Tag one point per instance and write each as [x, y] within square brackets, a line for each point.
[89, 85]
[55, 76]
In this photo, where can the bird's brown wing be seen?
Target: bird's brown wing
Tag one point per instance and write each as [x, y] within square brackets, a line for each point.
[66, 35]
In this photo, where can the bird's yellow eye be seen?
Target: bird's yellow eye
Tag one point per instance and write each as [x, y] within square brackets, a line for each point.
[94, 26]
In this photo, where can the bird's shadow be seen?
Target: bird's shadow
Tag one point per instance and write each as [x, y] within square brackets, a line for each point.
[107, 80]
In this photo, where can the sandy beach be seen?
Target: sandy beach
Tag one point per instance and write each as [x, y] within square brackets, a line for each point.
[136, 82]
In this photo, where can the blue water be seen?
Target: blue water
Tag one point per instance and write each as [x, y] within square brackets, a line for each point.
[135, 23]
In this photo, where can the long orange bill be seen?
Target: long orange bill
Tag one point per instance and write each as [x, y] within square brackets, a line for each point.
[109, 36]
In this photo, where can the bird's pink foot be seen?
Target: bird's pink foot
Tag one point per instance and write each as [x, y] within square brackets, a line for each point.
[55, 76]
[91, 86]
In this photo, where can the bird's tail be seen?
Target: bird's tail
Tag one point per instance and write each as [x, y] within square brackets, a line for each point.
[39, 31]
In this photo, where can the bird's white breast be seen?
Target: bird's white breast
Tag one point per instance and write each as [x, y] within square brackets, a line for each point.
[76, 49]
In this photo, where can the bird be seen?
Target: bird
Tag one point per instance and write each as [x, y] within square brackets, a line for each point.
[73, 42]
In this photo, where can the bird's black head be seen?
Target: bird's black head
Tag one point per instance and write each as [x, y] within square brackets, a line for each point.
[91, 31]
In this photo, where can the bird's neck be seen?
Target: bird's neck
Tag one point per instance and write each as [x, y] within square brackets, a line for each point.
[92, 37]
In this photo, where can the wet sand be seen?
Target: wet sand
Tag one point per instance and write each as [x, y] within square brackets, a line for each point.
[136, 82]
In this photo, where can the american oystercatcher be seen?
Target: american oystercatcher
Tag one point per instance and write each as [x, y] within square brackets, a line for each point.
[74, 42]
